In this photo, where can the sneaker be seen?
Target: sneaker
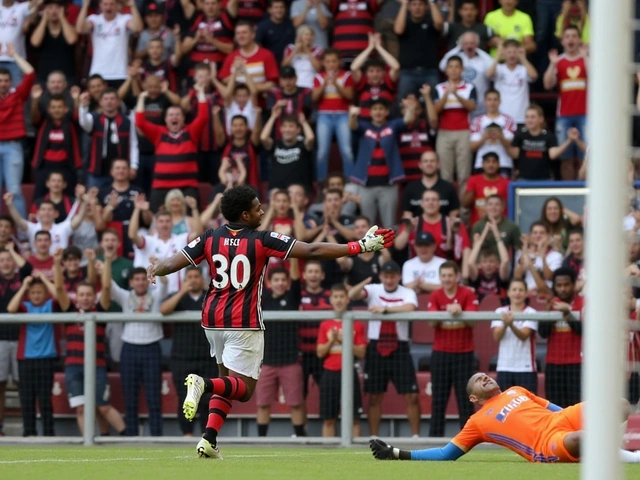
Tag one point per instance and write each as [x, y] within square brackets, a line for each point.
[206, 450]
[195, 389]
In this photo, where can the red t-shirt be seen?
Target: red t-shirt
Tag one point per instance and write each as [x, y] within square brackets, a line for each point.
[452, 336]
[483, 188]
[331, 101]
[439, 232]
[44, 266]
[260, 64]
[333, 361]
[572, 83]
[564, 346]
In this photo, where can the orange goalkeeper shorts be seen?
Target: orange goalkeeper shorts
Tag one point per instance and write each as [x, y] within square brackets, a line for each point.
[568, 421]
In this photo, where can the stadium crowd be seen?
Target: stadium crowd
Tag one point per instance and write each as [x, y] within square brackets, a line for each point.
[123, 123]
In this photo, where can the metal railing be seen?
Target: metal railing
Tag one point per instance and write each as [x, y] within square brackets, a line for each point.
[346, 406]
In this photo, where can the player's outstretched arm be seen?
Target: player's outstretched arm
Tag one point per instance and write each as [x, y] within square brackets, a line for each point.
[383, 451]
[375, 239]
[167, 266]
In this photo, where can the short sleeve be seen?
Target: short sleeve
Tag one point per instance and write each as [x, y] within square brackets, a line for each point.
[470, 302]
[471, 183]
[195, 250]
[497, 324]
[474, 94]
[527, 26]
[435, 95]
[411, 297]
[370, 292]
[468, 437]
[277, 245]
[552, 141]
[517, 139]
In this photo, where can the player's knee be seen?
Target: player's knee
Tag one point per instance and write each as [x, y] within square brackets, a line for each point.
[572, 443]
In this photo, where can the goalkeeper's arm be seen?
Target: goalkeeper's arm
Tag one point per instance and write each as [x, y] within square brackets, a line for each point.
[383, 451]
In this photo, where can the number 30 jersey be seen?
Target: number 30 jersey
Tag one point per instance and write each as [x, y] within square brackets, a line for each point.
[238, 258]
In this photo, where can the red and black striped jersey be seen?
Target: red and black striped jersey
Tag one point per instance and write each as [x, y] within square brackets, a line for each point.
[353, 22]
[308, 331]
[250, 10]
[367, 93]
[412, 143]
[220, 28]
[238, 257]
[74, 332]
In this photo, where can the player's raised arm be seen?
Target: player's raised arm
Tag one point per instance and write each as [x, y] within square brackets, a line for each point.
[384, 451]
[375, 239]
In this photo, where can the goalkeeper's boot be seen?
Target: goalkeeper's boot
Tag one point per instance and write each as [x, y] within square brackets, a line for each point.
[381, 450]
[206, 449]
[195, 389]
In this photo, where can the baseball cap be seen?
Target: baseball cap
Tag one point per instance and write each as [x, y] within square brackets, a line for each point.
[288, 72]
[425, 238]
[390, 267]
[154, 8]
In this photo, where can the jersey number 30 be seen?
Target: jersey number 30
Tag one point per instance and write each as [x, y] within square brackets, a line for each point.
[225, 272]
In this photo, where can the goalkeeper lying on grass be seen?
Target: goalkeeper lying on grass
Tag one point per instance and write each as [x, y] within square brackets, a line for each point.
[530, 426]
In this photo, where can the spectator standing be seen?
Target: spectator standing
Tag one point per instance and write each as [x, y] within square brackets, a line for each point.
[508, 23]
[492, 133]
[16, 19]
[304, 56]
[37, 353]
[562, 378]
[512, 78]
[353, 22]
[13, 127]
[476, 63]
[176, 162]
[240, 154]
[575, 258]
[154, 14]
[468, 13]
[378, 167]
[55, 188]
[569, 72]
[54, 38]
[483, 185]
[189, 348]
[419, 136]
[489, 276]
[517, 342]
[422, 272]
[315, 14]
[13, 270]
[250, 11]
[276, 31]
[110, 33]
[452, 360]
[141, 354]
[431, 180]
[573, 13]
[544, 258]
[297, 99]
[387, 357]
[210, 37]
[453, 101]
[111, 135]
[333, 92]
[329, 349]
[418, 27]
[533, 147]
[280, 367]
[509, 231]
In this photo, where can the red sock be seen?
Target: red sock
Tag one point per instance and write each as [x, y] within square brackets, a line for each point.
[231, 388]
[219, 408]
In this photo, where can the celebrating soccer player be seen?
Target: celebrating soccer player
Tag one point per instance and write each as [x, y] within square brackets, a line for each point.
[237, 255]
[526, 424]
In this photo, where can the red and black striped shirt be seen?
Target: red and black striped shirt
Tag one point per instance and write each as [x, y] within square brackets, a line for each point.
[250, 10]
[308, 331]
[176, 163]
[412, 143]
[367, 93]
[249, 156]
[208, 138]
[221, 29]
[378, 171]
[238, 257]
[353, 22]
[299, 102]
[75, 340]
[57, 145]
[164, 71]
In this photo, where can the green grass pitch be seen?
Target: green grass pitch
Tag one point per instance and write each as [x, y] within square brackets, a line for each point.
[251, 463]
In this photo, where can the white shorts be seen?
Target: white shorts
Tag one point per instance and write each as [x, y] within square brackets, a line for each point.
[8, 361]
[240, 351]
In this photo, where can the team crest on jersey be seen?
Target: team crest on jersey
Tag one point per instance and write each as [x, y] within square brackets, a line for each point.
[280, 236]
[194, 242]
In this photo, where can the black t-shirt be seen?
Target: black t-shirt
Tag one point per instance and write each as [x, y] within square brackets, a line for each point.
[276, 36]
[418, 44]
[492, 285]
[291, 164]
[189, 341]
[55, 54]
[362, 269]
[281, 338]
[8, 288]
[534, 162]
[412, 197]
[121, 214]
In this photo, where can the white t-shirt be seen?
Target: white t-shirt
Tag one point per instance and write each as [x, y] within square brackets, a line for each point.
[154, 247]
[515, 355]
[110, 46]
[513, 86]
[305, 72]
[377, 296]
[60, 234]
[140, 333]
[554, 261]
[11, 20]
[429, 272]
[478, 126]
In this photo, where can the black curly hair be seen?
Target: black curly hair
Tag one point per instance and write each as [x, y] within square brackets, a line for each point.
[237, 200]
